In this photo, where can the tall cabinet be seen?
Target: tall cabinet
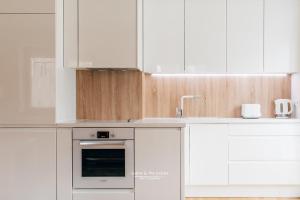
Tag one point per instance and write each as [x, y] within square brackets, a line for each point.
[27, 65]
[30, 78]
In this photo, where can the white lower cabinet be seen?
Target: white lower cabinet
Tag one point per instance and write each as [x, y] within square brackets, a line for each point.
[158, 164]
[264, 154]
[208, 154]
[243, 160]
[264, 173]
[28, 163]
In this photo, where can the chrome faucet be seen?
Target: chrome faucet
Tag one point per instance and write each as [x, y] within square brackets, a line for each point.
[179, 110]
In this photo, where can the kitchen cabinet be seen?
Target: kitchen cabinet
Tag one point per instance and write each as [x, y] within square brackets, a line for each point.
[28, 163]
[205, 36]
[102, 34]
[209, 154]
[245, 36]
[163, 36]
[107, 34]
[264, 154]
[281, 40]
[27, 6]
[264, 173]
[158, 163]
[64, 164]
[27, 69]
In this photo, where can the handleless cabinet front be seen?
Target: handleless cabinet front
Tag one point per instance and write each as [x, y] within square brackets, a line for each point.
[164, 36]
[245, 36]
[107, 33]
[28, 163]
[27, 6]
[27, 69]
[158, 164]
[205, 36]
[282, 36]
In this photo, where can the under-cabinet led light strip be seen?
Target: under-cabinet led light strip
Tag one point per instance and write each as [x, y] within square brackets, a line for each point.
[219, 75]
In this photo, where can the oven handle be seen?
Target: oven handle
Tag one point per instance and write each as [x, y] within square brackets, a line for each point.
[120, 144]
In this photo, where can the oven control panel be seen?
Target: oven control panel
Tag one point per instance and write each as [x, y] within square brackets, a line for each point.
[103, 134]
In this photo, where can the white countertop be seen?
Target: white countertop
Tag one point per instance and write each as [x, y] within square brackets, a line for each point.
[154, 122]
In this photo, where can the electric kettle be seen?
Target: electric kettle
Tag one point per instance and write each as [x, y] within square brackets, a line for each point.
[283, 108]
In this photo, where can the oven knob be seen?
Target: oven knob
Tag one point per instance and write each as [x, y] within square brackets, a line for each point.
[93, 135]
[112, 135]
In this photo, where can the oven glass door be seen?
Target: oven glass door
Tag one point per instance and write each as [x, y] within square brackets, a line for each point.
[103, 164]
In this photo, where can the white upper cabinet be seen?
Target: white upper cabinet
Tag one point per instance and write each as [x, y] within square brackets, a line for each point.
[245, 36]
[205, 36]
[27, 6]
[282, 36]
[164, 36]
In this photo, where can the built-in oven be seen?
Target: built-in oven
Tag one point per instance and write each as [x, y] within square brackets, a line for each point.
[103, 158]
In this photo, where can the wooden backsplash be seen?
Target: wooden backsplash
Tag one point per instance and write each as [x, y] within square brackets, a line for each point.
[109, 95]
[117, 95]
[221, 96]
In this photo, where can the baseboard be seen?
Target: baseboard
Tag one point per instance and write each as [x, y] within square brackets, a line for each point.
[242, 191]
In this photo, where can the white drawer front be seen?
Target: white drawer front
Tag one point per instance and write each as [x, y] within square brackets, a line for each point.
[264, 129]
[264, 148]
[264, 173]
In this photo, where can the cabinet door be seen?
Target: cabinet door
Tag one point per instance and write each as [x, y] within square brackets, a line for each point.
[158, 163]
[209, 154]
[27, 6]
[28, 164]
[107, 33]
[282, 36]
[245, 36]
[164, 36]
[27, 69]
[205, 36]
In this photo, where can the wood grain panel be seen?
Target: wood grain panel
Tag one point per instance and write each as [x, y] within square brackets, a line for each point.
[221, 96]
[120, 95]
[109, 95]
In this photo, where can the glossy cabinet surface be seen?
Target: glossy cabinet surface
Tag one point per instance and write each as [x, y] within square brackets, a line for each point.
[205, 36]
[264, 154]
[245, 36]
[28, 163]
[27, 6]
[282, 36]
[27, 72]
[107, 33]
[164, 36]
[209, 154]
[158, 163]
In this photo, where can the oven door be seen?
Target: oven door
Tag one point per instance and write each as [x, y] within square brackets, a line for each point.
[103, 164]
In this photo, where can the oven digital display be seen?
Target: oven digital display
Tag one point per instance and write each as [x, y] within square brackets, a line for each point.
[103, 162]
